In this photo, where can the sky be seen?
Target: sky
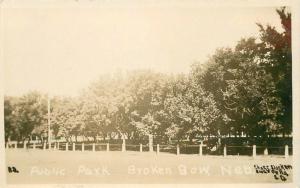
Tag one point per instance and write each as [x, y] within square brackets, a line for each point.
[61, 50]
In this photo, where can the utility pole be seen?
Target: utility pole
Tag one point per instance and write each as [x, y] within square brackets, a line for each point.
[49, 124]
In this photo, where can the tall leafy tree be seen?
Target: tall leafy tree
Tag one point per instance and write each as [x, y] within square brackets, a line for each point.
[66, 119]
[276, 58]
[11, 128]
[30, 113]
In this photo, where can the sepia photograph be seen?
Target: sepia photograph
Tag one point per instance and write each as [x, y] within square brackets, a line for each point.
[141, 92]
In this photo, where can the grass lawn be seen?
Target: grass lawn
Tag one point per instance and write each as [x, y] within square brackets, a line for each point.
[76, 167]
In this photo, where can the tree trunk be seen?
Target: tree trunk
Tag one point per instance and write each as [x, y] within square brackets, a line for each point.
[67, 139]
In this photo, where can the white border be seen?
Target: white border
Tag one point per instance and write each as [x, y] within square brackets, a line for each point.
[295, 4]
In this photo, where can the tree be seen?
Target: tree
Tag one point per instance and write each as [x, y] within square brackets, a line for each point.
[148, 91]
[66, 118]
[251, 83]
[107, 106]
[30, 112]
[11, 128]
[276, 58]
[192, 111]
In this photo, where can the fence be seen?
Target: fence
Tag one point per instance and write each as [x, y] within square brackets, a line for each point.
[173, 149]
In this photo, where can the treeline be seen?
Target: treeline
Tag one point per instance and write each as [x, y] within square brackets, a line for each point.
[246, 89]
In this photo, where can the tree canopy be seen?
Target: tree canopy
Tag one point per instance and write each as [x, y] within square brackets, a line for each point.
[242, 90]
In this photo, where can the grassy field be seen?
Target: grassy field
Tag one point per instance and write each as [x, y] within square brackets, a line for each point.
[43, 167]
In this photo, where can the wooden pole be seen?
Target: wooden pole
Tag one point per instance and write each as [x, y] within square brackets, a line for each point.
[286, 151]
[266, 152]
[123, 143]
[49, 124]
[107, 147]
[150, 143]
[254, 151]
[200, 150]
[123, 147]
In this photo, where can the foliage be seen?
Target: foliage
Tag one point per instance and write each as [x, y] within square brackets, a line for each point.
[242, 90]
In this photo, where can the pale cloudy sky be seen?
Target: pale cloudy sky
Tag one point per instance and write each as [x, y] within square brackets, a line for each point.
[64, 49]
